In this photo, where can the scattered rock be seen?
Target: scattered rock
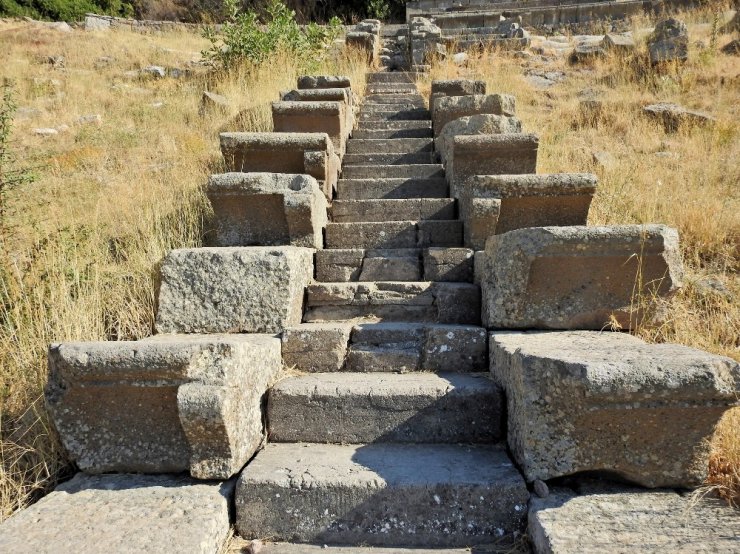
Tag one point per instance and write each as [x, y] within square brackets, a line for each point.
[460, 59]
[591, 110]
[104, 61]
[603, 159]
[669, 41]
[255, 547]
[708, 287]
[522, 55]
[60, 26]
[27, 113]
[586, 51]
[57, 62]
[94, 119]
[210, 101]
[732, 48]
[622, 43]
[673, 116]
[157, 105]
[155, 71]
[544, 79]
[45, 131]
[63, 128]
[541, 489]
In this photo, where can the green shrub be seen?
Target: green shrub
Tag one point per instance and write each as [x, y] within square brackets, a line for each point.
[64, 10]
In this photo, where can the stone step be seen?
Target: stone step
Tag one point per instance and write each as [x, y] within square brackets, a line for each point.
[398, 264]
[432, 185]
[362, 347]
[240, 546]
[394, 234]
[369, 108]
[396, 125]
[391, 99]
[357, 408]
[410, 171]
[437, 495]
[391, 88]
[408, 209]
[389, 158]
[414, 132]
[390, 77]
[433, 302]
[389, 146]
[414, 114]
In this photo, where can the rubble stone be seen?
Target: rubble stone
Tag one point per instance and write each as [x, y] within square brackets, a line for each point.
[449, 108]
[669, 41]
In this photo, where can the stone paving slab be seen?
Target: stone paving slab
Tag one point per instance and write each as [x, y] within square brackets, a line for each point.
[123, 514]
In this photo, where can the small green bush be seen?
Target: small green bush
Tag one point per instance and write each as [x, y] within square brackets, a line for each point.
[64, 10]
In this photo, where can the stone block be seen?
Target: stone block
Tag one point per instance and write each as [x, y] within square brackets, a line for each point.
[120, 514]
[233, 290]
[577, 277]
[673, 116]
[266, 209]
[483, 124]
[197, 402]
[313, 117]
[364, 41]
[316, 347]
[398, 264]
[669, 42]
[620, 43]
[559, 199]
[448, 264]
[455, 87]
[449, 108]
[296, 153]
[307, 82]
[581, 401]
[617, 518]
[343, 95]
[506, 154]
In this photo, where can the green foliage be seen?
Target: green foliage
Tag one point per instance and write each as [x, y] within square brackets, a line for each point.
[249, 37]
[64, 10]
[378, 9]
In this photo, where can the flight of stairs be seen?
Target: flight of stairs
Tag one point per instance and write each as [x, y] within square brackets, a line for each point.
[390, 450]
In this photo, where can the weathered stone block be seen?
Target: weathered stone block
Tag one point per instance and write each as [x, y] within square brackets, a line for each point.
[233, 290]
[299, 153]
[197, 402]
[669, 41]
[313, 117]
[369, 42]
[323, 81]
[599, 401]
[119, 514]
[506, 154]
[455, 87]
[448, 264]
[617, 518]
[316, 347]
[266, 209]
[343, 95]
[483, 124]
[559, 199]
[577, 277]
[449, 108]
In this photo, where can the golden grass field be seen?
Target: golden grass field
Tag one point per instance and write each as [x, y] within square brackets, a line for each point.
[80, 245]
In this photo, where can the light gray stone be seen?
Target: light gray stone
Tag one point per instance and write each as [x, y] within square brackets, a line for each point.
[483, 124]
[266, 209]
[233, 290]
[293, 548]
[316, 347]
[119, 514]
[674, 116]
[449, 108]
[313, 117]
[448, 264]
[527, 200]
[407, 209]
[323, 81]
[504, 154]
[622, 43]
[343, 95]
[599, 401]
[577, 277]
[380, 494]
[616, 519]
[454, 348]
[210, 101]
[455, 87]
[295, 153]
[669, 41]
[197, 402]
[351, 408]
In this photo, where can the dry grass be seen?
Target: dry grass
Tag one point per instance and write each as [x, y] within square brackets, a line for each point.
[80, 255]
[687, 179]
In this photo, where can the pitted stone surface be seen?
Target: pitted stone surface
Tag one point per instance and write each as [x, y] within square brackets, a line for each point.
[617, 519]
[119, 514]
[316, 347]
[323, 81]
[576, 277]
[266, 209]
[600, 401]
[197, 399]
[449, 108]
[328, 117]
[233, 290]
[377, 494]
[483, 124]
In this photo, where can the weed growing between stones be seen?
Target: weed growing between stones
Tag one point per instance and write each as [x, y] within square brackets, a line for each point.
[112, 196]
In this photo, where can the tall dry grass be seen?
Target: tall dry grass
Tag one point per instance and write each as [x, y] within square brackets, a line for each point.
[689, 179]
[82, 243]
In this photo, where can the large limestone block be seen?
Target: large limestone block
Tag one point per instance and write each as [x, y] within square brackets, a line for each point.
[449, 108]
[483, 124]
[175, 403]
[266, 209]
[367, 42]
[599, 401]
[614, 519]
[316, 347]
[577, 277]
[505, 154]
[559, 199]
[120, 514]
[455, 87]
[312, 117]
[307, 82]
[343, 95]
[233, 290]
[297, 153]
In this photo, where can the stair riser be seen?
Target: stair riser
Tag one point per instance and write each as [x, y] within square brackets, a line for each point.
[393, 133]
[413, 209]
[389, 159]
[395, 125]
[393, 78]
[380, 146]
[396, 234]
[411, 172]
[409, 115]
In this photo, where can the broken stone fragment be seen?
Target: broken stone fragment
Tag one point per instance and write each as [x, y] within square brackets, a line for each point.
[483, 124]
[669, 41]
[449, 108]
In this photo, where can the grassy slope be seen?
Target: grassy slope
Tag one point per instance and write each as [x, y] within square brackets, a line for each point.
[79, 261]
[688, 179]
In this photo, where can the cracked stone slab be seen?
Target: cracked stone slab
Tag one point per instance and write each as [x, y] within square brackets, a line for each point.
[122, 514]
[583, 401]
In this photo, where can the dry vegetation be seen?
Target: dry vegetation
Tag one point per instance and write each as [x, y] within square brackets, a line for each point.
[689, 179]
[81, 244]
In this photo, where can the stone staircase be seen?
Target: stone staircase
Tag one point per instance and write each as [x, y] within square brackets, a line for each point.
[411, 391]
